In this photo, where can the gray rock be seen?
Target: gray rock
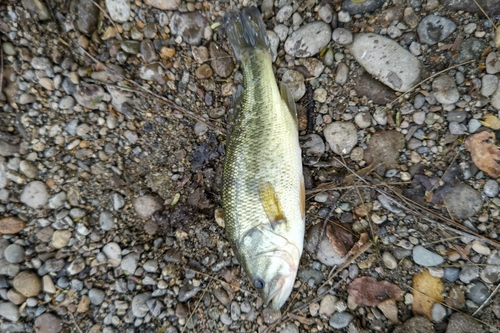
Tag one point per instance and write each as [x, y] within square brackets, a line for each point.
[164, 4]
[309, 40]
[340, 320]
[363, 119]
[87, 15]
[35, 194]
[468, 273]
[139, 306]
[415, 325]
[495, 98]
[27, 99]
[313, 147]
[148, 51]
[150, 266]
[114, 253]
[38, 8]
[445, 89]
[119, 10]
[281, 31]
[463, 201]
[290, 328]
[489, 85]
[131, 46]
[473, 7]
[438, 312]
[342, 73]
[284, 13]
[478, 293]
[325, 13]
[189, 26]
[106, 220]
[492, 63]
[457, 116]
[274, 43]
[341, 136]
[147, 205]
[451, 273]
[295, 82]
[76, 266]
[342, 36]
[187, 292]
[386, 60]
[40, 63]
[28, 169]
[426, 258]
[57, 200]
[474, 125]
[387, 204]
[118, 201]
[96, 296]
[461, 323]
[9, 311]
[434, 28]
[89, 95]
[361, 7]
[457, 128]
[491, 188]
[14, 253]
[129, 262]
[470, 49]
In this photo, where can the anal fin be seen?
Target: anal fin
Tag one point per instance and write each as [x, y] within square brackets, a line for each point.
[271, 204]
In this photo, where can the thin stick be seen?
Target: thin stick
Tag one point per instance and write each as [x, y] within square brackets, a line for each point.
[482, 10]
[74, 322]
[173, 105]
[196, 306]
[486, 301]
[109, 18]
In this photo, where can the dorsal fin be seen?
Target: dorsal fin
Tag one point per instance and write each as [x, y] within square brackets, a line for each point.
[287, 97]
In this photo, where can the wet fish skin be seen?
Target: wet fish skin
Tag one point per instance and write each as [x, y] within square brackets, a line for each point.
[263, 187]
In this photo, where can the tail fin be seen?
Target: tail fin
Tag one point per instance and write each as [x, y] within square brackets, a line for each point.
[245, 30]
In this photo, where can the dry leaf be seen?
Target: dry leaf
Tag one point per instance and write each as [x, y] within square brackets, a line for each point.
[368, 291]
[427, 290]
[485, 154]
[491, 121]
[363, 238]
[390, 310]
[340, 239]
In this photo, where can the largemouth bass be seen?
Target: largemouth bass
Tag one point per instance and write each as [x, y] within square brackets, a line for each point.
[263, 192]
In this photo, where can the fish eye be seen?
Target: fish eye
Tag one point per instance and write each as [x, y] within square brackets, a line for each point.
[258, 283]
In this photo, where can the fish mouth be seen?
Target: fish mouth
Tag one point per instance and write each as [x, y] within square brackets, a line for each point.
[279, 291]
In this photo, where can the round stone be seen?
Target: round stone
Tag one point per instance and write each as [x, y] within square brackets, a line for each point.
[28, 284]
[35, 194]
[60, 238]
[14, 253]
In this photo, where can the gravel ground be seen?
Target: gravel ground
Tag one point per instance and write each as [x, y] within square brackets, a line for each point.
[112, 134]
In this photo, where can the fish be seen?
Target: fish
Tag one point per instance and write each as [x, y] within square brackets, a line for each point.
[263, 193]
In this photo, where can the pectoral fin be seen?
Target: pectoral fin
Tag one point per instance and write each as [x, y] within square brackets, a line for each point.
[287, 97]
[271, 204]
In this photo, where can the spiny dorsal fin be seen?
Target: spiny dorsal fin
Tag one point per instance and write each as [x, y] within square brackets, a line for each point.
[271, 204]
[287, 97]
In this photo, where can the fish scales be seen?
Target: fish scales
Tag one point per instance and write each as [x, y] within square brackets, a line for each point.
[263, 190]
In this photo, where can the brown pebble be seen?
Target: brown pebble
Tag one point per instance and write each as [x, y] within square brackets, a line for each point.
[167, 53]
[84, 304]
[181, 310]
[11, 225]
[27, 283]
[15, 297]
[151, 227]
[204, 72]
[48, 323]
